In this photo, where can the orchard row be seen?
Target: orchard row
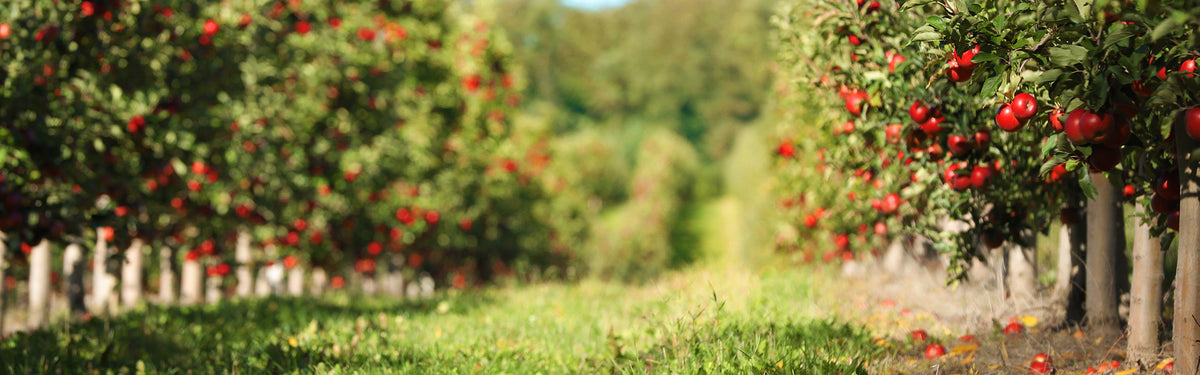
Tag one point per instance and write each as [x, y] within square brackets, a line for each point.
[233, 135]
[972, 126]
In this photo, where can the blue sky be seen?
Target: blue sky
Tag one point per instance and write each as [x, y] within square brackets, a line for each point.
[593, 4]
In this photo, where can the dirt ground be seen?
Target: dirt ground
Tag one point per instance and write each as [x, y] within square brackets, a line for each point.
[921, 300]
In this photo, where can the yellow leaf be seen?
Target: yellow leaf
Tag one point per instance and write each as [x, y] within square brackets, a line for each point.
[1126, 372]
[993, 367]
[965, 348]
[1029, 321]
[292, 342]
[1164, 363]
[779, 365]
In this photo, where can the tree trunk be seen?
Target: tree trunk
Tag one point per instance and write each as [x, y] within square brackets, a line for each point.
[1187, 277]
[1071, 276]
[262, 286]
[245, 265]
[393, 283]
[166, 277]
[103, 282]
[39, 285]
[1022, 270]
[131, 274]
[212, 289]
[295, 281]
[319, 280]
[1106, 239]
[191, 288]
[74, 264]
[1145, 300]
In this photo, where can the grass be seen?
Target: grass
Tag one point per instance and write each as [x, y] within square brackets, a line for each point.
[684, 324]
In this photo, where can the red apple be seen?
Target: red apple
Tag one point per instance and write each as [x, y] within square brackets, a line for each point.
[934, 351]
[1173, 221]
[1189, 66]
[848, 127]
[1129, 192]
[1096, 127]
[211, 27]
[1104, 158]
[981, 177]
[5, 31]
[958, 144]
[1073, 128]
[1007, 120]
[892, 133]
[1024, 106]
[1163, 205]
[919, 112]
[1191, 122]
[919, 335]
[1056, 120]
[983, 138]
[1167, 184]
[786, 149]
[933, 126]
[855, 101]
[1121, 131]
[1014, 328]
[854, 39]
[896, 59]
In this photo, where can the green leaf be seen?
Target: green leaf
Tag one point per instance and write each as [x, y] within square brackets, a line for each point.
[1084, 7]
[1041, 76]
[1119, 33]
[985, 57]
[1166, 27]
[1085, 184]
[991, 85]
[1050, 144]
[1049, 164]
[1067, 55]
[936, 22]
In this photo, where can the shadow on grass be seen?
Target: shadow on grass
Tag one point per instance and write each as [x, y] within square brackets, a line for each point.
[247, 336]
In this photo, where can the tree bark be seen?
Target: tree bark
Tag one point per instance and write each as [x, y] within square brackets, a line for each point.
[245, 265]
[191, 288]
[1145, 300]
[103, 282]
[1106, 239]
[1022, 270]
[295, 281]
[74, 264]
[39, 285]
[166, 276]
[131, 274]
[1071, 276]
[1187, 277]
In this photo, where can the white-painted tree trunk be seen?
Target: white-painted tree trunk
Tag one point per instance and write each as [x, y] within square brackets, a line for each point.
[1106, 240]
[393, 280]
[295, 281]
[131, 274]
[262, 284]
[1145, 298]
[74, 266]
[103, 282]
[245, 265]
[39, 285]
[166, 276]
[212, 289]
[320, 279]
[191, 288]
[1022, 270]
